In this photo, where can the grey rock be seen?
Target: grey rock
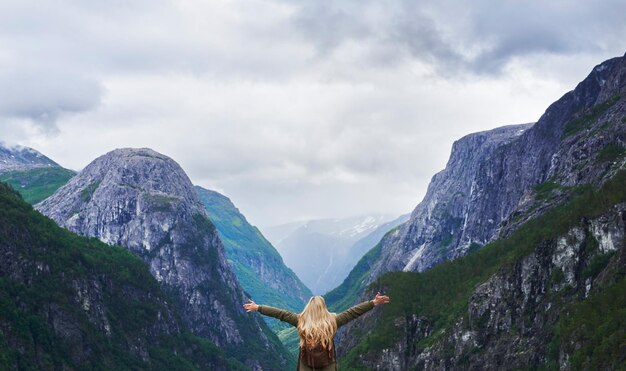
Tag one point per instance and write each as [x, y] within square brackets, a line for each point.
[511, 315]
[487, 189]
[440, 226]
[579, 141]
[14, 158]
[144, 201]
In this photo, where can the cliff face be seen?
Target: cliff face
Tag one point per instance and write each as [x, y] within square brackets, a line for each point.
[534, 312]
[580, 139]
[143, 201]
[439, 228]
[492, 175]
[69, 302]
[258, 266]
[519, 309]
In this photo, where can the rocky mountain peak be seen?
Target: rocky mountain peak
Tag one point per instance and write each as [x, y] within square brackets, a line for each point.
[487, 192]
[436, 230]
[492, 174]
[144, 201]
[544, 190]
[22, 158]
[110, 198]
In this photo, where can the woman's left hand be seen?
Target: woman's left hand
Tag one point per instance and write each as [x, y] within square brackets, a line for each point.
[251, 306]
[381, 299]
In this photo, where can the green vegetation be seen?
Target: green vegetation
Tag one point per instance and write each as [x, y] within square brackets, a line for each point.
[612, 152]
[597, 264]
[473, 247]
[557, 276]
[593, 331]
[37, 184]
[449, 237]
[51, 273]
[88, 191]
[245, 246]
[290, 338]
[442, 293]
[546, 190]
[160, 203]
[588, 117]
[347, 293]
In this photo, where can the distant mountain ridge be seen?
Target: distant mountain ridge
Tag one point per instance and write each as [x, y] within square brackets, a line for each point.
[320, 251]
[32, 174]
[22, 158]
[144, 201]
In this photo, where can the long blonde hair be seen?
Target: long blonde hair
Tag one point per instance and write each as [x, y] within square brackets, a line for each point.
[316, 325]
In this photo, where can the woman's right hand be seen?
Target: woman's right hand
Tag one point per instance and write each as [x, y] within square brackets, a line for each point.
[251, 306]
[381, 299]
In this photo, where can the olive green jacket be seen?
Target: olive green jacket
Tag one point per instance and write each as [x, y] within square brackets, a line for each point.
[341, 318]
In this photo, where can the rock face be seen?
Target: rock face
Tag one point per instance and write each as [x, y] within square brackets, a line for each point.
[579, 142]
[492, 175]
[511, 317]
[22, 158]
[258, 266]
[69, 302]
[142, 200]
[439, 228]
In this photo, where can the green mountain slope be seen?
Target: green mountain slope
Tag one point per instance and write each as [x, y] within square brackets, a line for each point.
[348, 292]
[258, 266]
[36, 184]
[587, 330]
[69, 302]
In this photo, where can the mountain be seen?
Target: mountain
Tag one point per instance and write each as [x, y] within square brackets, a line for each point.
[37, 184]
[363, 245]
[319, 251]
[32, 174]
[258, 266]
[549, 296]
[22, 158]
[444, 225]
[548, 207]
[277, 233]
[143, 201]
[436, 230]
[69, 302]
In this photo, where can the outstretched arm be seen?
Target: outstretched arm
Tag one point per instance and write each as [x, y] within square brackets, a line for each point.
[359, 309]
[281, 314]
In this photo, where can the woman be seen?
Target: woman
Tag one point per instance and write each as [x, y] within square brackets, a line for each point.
[317, 328]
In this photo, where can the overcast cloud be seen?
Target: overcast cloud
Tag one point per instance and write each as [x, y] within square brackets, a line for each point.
[293, 109]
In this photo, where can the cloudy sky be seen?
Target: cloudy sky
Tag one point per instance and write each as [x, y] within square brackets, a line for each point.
[293, 109]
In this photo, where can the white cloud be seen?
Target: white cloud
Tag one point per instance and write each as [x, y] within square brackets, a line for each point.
[293, 109]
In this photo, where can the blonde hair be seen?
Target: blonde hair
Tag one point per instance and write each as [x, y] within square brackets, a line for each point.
[316, 325]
